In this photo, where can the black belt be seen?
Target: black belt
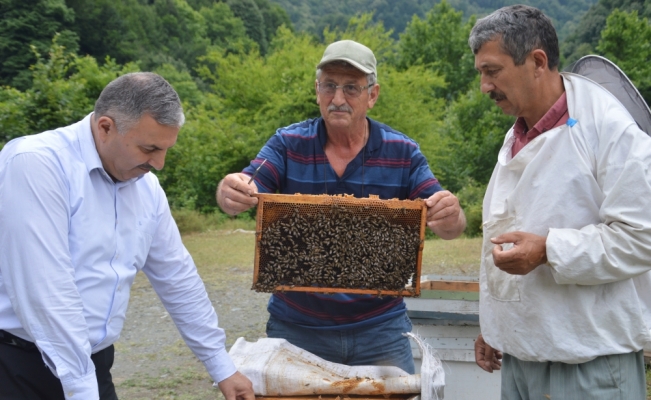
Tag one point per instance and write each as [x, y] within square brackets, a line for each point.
[13, 340]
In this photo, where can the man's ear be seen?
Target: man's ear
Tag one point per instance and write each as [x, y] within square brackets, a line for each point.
[105, 128]
[375, 93]
[316, 90]
[540, 60]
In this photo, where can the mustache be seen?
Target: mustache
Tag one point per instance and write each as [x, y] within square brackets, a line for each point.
[145, 166]
[343, 107]
[497, 96]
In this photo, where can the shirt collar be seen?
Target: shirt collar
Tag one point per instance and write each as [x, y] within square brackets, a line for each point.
[374, 137]
[548, 121]
[87, 145]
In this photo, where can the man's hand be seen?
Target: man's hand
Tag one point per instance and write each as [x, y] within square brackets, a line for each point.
[486, 357]
[237, 387]
[444, 215]
[528, 252]
[234, 194]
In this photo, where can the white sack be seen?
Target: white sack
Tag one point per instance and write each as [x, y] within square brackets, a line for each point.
[278, 368]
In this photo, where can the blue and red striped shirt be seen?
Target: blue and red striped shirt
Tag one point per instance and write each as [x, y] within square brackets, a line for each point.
[390, 166]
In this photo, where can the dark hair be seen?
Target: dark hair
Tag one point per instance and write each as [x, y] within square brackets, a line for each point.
[127, 98]
[522, 29]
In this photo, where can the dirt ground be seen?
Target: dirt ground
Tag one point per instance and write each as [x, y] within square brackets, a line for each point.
[153, 362]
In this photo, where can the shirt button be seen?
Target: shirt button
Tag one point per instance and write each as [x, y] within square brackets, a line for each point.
[70, 394]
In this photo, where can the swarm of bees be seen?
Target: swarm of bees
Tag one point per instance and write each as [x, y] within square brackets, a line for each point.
[338, 247]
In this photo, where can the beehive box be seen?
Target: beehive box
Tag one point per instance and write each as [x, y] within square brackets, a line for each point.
[339, 244]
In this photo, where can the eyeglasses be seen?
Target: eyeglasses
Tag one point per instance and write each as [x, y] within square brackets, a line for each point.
[350, 90]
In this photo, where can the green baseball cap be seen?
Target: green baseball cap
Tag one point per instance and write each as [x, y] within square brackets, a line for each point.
[356, 54]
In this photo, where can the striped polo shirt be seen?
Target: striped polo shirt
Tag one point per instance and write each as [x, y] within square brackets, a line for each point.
[390, 166]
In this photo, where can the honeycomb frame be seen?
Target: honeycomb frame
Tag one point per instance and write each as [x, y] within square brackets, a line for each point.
[272, 208]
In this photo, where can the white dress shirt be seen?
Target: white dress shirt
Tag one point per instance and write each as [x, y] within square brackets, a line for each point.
[586, 186]
[71, 243]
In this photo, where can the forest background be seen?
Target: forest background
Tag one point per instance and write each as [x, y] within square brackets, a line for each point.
[244, 68]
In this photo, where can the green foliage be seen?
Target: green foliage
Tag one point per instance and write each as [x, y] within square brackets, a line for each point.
[315, 15]
[102, 29]
[439, 42]
[407, 103]
[585, 38]
[626, 40]
[471, 135]
[471, 197]
[373, 35]
[159, 32]
[190, 221]
[63, 91]
[249, 13]
[207, 149]
[264, 94]
[30, 23]
[225, 30]
[274, 16]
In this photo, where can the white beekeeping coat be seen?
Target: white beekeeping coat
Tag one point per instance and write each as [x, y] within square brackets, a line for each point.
[586, 186]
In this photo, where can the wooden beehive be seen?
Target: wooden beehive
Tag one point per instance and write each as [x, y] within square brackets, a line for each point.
[339, 244]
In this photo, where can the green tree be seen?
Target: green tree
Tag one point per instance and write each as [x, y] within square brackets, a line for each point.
[249, 13]
[373, 35]
[30, 23]
[585, 38]
[225, 30]
[274, 16]
[626, 40]
[64, 90]
[439, 42]
[407, 104]
[266, 93]
[470, 137]
[103, 31]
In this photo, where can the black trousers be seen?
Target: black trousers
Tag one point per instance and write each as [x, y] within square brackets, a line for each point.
[24, 376]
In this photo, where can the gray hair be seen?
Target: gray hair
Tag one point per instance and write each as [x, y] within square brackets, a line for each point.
[521, 29]
[126, 99]
[371, 79]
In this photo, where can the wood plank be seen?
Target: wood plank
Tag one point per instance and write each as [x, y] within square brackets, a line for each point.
[458, 286]
[330, 290]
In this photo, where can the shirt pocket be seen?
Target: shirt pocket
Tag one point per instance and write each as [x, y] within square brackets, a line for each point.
[145, 229]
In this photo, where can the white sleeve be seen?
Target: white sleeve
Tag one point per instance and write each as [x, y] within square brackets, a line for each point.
[174, 277]
[37, 270]
[619, 247]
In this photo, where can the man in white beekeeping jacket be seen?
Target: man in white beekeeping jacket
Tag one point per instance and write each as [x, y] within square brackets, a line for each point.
[565, 304]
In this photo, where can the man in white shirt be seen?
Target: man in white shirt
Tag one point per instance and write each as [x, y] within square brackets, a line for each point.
[80, 216]
[564, 279]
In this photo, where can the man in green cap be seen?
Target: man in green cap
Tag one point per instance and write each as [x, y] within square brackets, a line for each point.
[344, 152]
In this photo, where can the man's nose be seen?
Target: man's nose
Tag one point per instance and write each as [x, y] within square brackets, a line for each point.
[339, 97]
[486, 85]
[158, 159]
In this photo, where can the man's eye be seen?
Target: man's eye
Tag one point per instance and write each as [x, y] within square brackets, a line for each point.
[331, 87]
[350, 88]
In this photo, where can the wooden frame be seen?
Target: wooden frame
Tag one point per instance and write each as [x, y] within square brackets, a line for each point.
[267, 214]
